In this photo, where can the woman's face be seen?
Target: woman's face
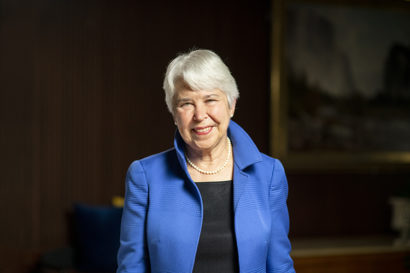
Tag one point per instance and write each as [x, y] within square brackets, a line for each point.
[202, 117]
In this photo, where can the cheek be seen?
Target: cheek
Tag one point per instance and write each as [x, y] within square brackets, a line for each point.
[182, 119]
[220, 113]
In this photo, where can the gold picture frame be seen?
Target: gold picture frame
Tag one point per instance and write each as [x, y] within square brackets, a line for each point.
[330, 158]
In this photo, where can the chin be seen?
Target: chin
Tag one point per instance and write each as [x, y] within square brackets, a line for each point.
[203, 146]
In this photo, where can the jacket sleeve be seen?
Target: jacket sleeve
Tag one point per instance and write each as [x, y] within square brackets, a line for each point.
[279, 260]
[133, 253]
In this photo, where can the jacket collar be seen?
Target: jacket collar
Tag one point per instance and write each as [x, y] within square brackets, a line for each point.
[244, 149]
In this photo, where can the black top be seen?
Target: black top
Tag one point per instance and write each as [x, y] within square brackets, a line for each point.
[217, 251]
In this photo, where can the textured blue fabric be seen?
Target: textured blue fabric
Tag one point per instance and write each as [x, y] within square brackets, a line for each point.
[97, 237]
[162, 216]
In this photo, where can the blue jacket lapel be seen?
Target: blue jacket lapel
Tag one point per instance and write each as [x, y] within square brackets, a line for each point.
[245, 154]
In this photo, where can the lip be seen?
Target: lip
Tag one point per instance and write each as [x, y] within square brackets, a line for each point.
[202, 130]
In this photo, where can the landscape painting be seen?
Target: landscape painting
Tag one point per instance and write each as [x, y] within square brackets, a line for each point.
[347, 78]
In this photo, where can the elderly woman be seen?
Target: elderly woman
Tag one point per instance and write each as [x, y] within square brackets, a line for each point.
[213, 203]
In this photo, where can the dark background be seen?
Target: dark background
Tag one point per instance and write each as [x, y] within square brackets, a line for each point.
[81, 98]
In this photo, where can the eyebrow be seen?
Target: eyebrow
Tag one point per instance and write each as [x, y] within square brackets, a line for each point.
[183, 100]
[180, 100]
[211, 95]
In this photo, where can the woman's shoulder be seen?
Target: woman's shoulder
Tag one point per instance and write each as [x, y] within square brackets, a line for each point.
[153, 161]
[272, 162]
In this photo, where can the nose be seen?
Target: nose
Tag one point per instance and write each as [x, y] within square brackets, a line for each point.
[200, 113]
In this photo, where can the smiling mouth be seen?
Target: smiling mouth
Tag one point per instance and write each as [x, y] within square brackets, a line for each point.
[202, 130]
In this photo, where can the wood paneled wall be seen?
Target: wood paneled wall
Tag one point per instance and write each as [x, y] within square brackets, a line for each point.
[81, 97]
[343, 204]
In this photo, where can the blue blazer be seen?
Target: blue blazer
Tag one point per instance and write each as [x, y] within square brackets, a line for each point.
[162, 216]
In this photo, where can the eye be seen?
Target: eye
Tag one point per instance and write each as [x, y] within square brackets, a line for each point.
[210, 100]
[185, 104]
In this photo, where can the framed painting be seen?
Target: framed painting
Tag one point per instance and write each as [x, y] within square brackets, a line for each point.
[340, 84]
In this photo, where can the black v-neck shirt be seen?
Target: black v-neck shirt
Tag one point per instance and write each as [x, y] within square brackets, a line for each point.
[217, 250]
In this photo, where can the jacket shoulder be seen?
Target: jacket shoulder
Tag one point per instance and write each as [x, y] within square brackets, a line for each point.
[155, 164]
[273, 163]
[138, 165]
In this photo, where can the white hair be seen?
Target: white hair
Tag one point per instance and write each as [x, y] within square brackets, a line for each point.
[200, 70]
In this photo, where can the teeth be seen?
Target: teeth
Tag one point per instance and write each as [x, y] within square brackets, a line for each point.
[203, 130]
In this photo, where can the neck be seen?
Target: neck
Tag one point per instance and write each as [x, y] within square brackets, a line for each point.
[211, 157]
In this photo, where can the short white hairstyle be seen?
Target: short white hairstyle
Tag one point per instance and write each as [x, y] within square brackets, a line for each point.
[200, 70]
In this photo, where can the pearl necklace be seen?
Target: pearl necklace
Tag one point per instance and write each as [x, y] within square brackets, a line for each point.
[214, 171]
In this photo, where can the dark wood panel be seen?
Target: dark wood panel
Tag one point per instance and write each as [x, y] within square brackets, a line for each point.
[345, 204]
[81, 97]
[397, 262]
